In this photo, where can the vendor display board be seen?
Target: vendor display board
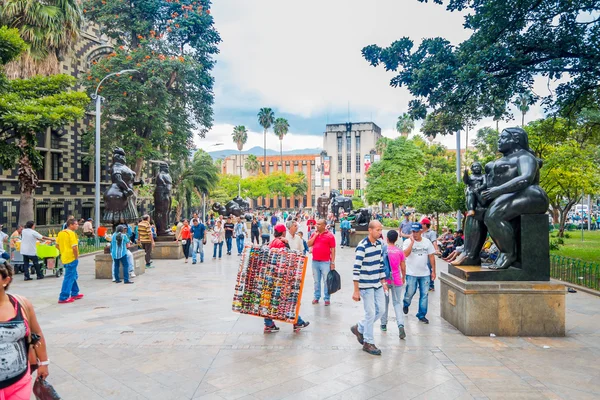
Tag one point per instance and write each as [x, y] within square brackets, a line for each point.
[269, 283]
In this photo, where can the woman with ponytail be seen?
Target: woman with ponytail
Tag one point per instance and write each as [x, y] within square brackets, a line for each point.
[118, 250]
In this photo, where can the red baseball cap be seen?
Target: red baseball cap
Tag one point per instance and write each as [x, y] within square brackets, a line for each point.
[426, 221]
[280, 228]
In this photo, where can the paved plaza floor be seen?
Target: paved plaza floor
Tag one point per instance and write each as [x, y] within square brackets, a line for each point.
[172, 335]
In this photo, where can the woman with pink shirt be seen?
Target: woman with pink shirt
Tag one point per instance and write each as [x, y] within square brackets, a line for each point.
[395, 259]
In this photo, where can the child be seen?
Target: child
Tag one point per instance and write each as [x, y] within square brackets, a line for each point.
[395, 258]
[476, 183]
[304, 242]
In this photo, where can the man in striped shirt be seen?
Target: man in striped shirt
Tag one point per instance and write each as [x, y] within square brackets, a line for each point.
[369, 284]
[145, 238]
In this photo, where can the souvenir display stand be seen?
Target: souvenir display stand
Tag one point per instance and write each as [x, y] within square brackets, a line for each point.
[269, 283]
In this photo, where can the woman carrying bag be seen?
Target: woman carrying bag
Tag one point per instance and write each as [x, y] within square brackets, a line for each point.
[240, 232]
[218, 237]
[22, 343]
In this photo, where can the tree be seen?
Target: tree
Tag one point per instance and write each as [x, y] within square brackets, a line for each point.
[281, 128]
[192, 179]
[405, 124]
[266, 117]
[511, 43]
[393, 179]
[486, 144]
[252, 164]
[154, 113]
[240, 136]
[29, 106]
[523, 102]
[49, 27]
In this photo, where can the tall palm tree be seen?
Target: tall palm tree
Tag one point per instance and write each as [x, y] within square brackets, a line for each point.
[50, 27]
[266, 117]
[523, 102]
[405, 124]
[281, 128]
[240, 137]
[194, 177]
[252, 164]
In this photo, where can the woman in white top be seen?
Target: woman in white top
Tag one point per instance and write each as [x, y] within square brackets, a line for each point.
[218, 237]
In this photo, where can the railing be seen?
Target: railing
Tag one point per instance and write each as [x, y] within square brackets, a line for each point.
[572, 270]
[89, 245]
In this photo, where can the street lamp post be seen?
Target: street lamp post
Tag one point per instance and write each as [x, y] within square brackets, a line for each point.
[98, 100]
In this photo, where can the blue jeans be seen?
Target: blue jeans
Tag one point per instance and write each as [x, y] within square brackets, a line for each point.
[269, 322]
[265, 238]
[198, 248]
[130, 261]
[411, 289]
[239, 241]
[228, 240]
[220, 246]
[431, 281]
[320, 271]
[374, 304]
[116, 270]
[345, 237]
[396, 293]
[69, 285]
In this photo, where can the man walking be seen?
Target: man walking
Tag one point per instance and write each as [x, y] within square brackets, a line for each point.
[229, 227]
[345, 228]
[145, 238]
[198, 231]
[369, 284]
[405, 227]
[265, 231]
[29, 237]
[323, 244]
[432, 236]
[68, 245]
[417, 251]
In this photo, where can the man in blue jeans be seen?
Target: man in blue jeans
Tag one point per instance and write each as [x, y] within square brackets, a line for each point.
[198, 239]
[345, 227]
[323, 244]
[418, 250]
[229, 227]
[67, 243]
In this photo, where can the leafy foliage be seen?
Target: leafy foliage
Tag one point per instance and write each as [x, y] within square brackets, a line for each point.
[252, 164]
[512, 42]
[192, 178]
[486, 144]
[405, 124]
[276, 184]
[155, 112]
[240, 136]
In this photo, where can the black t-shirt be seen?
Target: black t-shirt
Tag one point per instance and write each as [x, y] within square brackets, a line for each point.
[227, 226]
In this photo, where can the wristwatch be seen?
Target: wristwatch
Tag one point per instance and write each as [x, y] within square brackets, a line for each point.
[47, 362]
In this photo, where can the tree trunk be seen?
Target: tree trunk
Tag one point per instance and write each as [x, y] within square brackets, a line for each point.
[137, 168]
[265, 153]
[28, 181]
[563, 217]
[26, 208]
[281, 153]
[523, 120]
[498, 126]
[437, 223]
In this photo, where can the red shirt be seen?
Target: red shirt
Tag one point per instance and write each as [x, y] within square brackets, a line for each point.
[276, 244]
[185, 233]
[322, 246]
[311, 222]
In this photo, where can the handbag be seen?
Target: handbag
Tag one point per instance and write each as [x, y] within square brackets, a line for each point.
[334, 281]
[43, 390]
[183, 241]
[215, 238]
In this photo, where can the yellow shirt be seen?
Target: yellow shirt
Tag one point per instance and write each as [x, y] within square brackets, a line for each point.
[66, 240]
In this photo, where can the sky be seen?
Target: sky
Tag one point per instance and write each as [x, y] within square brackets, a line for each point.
[303, 59]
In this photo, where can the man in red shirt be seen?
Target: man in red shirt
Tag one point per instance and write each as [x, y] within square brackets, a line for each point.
[310, 222]
[323, 251]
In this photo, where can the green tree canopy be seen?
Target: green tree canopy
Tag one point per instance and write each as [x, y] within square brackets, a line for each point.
[252, 164]
[155, 112]
[512, 41]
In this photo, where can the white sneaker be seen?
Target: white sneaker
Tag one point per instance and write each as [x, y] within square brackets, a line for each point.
[132, 275]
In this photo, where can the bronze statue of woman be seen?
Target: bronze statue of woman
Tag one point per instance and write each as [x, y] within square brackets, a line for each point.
[119, 198]
[163, 200]
[513, 190]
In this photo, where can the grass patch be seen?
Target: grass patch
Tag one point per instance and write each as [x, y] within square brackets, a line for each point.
[587, 250]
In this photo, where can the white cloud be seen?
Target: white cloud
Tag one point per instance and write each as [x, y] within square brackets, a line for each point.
[221, 133]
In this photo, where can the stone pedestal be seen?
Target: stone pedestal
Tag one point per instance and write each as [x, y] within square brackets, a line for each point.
[356, 237]
[167, 251]
[104, 264]
[526, 308]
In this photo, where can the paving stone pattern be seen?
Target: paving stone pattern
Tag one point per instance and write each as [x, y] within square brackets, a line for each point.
[172, 335]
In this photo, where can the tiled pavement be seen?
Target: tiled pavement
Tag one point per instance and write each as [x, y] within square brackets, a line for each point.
[172, 335]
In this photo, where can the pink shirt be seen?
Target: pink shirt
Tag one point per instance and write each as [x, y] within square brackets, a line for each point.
[395, 256]
[322, 246]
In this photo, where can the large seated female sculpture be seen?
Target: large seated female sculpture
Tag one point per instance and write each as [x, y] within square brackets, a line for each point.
[512, 191]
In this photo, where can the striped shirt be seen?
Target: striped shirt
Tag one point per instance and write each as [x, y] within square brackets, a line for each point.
[368, 264]
[144, 232]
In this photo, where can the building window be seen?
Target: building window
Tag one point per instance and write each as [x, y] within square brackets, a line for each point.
[348, 163]
[270, 169]
[41, 215]
[287, 203]
[339, 162]
[56, 215]
[348, 184]
[296, 203]
[86, 212]
[55, 169]
[270, 203]
[357, 162]
[357, 184]
[305, 168]
[357, 140]
[348, 152]
[85, 171]
[340, 185]
[41, 139]
[41, 173]
[339, 144]
[55, 141]
[287, 169]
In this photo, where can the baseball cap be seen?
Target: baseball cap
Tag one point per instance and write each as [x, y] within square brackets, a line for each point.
[280, 228]
[416, 226]
[407, 213]
[426, 221]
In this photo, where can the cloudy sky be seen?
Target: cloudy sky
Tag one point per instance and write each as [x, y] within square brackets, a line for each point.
[303, 59]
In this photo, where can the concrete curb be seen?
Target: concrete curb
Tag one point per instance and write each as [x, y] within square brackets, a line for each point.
[578, 288]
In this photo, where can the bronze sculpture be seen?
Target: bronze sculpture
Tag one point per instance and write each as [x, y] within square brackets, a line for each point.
[162, 200]
[338, 201]
[119, 198]
[512, 191]
[362, 217]
[323, 205]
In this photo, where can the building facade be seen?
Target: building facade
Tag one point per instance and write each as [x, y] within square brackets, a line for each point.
[348, 150]
[291, 163]
[67, 176]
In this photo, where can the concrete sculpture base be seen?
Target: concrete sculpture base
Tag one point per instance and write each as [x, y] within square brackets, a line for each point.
[527, 308]
[167, 251]
[356, 237]
[104, 264]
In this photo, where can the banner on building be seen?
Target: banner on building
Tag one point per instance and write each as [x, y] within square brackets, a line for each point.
[318, 171]
[367, 162]
[326, 165]
[348, 192]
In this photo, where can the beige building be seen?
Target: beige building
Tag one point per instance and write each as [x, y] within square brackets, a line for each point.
[350, 149]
